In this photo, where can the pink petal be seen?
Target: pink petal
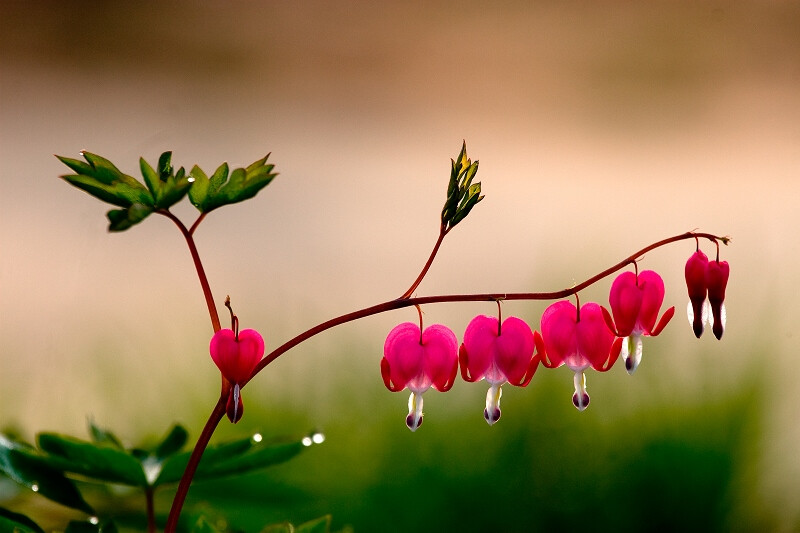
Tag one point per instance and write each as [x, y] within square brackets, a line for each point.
[593, 338]
[558, 332]
[514, 349]
[440, 352]
[403, 354]
[478, 345]
[625, 299]
[652, 288]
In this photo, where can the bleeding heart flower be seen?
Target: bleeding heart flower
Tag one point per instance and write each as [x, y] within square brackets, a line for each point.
[635, 302]
[418, 362]
[578, 340]
[717, 273]
[695, 273]
[236, 356]
[498, 354]
[706, 278]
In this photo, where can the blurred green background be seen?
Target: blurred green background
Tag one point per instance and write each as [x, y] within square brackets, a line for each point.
[600, 127]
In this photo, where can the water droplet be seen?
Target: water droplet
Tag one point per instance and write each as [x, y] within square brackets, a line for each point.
[94, 520]
[257, 437]
[318, 438]
[307, 441]
[35, 487]
[191, 179]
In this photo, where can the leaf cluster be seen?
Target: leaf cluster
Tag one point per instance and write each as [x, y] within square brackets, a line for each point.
[462, 194]
[163, 186]
[53, 468]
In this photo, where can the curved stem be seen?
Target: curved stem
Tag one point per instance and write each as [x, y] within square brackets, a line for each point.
[442, 232]
[187, 234]
[197, 223]
[194, 461]
[481, 297]
[219, 409]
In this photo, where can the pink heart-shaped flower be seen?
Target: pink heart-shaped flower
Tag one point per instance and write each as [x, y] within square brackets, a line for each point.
[498, 354]
[419, 361]
[236, 358]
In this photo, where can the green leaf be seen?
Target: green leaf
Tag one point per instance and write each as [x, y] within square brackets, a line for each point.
[166, 186]
[231, 459]
[103, 436]
[175, 465]
[97, 461]
[258, 457]
[122, 219]
[319, 525]
[102, 179]
[224, 188]
[17, 523]
[76, 526]
[22, 464]
[172, 442]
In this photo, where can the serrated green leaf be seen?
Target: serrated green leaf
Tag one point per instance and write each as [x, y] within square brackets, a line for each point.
[225, 187]
[26, 467]
[165, 166]
[175, 465]
[17, 523]
[172, 442]
[150, 176]
[122, 219]
[318, 525]
[101, 174]
[96, 461]
[77, 526]
[199, 189]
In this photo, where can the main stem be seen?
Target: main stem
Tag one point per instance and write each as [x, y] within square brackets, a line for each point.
[201, 273]
[194, 461]
[442, 233]
[404, 301]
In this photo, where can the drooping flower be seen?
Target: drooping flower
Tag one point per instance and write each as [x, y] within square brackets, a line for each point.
[236, 356]
[706, 282]
[695, 273]
[419, 361]
[578, 340]
[499, 354]
[717, 280]
[635, 302]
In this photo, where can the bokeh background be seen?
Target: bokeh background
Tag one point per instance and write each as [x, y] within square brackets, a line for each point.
[600, 127]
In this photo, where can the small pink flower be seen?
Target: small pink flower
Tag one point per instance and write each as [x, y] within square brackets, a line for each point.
[635, 303]
[577, 340]
[498, 354]
[706, 282]
[418, 362]
[236, 356]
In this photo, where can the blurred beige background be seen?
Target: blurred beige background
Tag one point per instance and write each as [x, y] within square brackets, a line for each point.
[600, 127]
